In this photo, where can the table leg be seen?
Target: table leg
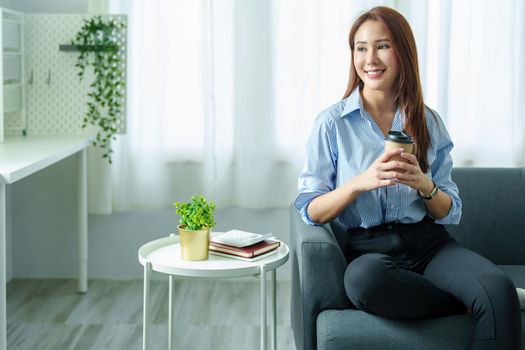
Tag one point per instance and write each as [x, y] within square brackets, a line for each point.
[171, 314]
[273, 310]
[262, 276]
[145, 311]
[82, 223]
[3, 263]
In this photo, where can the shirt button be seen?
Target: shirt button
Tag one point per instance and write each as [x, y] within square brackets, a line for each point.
[392, 206]
[389, 227]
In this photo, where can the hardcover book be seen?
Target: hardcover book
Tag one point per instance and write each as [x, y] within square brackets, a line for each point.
[255, 258]
[250, 251]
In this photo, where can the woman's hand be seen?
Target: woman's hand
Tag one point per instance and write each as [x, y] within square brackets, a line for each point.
[412, 175]
[382, 172]
[415, 178]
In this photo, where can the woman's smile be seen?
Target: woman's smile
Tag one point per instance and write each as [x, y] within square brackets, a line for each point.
[375, 73]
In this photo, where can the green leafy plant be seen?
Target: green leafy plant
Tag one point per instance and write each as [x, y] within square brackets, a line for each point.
[100, 49]
[196, 214]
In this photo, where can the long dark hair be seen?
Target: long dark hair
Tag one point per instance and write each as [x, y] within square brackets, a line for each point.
[409, 94]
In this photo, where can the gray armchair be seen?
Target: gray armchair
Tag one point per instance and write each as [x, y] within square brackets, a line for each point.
[492, 224]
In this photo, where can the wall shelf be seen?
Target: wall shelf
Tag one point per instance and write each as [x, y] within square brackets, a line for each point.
[69, 47]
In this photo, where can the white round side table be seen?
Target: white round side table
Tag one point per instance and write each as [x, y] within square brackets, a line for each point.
[163, 255]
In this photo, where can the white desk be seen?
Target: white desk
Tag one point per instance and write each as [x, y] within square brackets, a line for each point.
[23, 156]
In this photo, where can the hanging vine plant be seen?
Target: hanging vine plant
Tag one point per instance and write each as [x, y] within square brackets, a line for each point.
[99, 47]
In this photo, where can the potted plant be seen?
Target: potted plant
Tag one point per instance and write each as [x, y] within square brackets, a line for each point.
[196, 221]
[99, 47]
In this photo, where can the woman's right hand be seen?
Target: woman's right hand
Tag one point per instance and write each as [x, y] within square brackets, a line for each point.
[381, 172]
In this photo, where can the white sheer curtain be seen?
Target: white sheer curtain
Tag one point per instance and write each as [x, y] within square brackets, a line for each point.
[487, 119]
[472, 67]
[200, 107]
[222, 94]
[160, 158]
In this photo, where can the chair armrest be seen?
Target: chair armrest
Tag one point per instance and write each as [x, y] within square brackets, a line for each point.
[318, 267]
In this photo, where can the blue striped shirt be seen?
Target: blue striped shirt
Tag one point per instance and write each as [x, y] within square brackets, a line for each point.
[344, 142]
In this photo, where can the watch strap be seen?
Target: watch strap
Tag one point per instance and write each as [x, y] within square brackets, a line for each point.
[432, 193]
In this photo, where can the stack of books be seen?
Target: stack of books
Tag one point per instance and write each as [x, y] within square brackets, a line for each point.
[250, 252]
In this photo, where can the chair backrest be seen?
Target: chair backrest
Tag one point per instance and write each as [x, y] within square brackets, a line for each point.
[492, 222]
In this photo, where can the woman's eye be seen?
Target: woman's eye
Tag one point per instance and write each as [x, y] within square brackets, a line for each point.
[362, 49]
[383, 46]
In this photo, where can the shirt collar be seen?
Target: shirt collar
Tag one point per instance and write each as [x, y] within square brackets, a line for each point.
[353, 102]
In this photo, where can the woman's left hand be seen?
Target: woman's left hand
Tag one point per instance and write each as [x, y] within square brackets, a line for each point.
[413, 176]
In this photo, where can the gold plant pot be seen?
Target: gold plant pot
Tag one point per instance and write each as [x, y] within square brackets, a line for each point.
[194, 243]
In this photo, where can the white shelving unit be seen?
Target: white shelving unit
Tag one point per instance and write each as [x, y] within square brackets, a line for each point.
[12, 72]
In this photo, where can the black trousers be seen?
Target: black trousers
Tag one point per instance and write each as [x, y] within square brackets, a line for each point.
[419, 271]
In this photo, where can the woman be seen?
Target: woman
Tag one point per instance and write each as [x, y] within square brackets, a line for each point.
[403, 263]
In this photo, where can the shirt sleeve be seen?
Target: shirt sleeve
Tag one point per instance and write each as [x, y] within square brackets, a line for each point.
[441, 173]
[319, 172]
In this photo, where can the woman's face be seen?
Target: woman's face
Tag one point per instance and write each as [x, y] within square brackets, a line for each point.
[374, 58]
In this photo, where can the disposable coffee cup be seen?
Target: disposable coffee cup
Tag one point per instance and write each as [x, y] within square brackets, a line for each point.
[398, 139]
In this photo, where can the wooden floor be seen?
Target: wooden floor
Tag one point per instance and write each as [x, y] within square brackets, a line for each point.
[50, 314]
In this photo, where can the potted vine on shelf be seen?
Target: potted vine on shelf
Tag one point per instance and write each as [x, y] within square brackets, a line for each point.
[99, 47]
[196, 221]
